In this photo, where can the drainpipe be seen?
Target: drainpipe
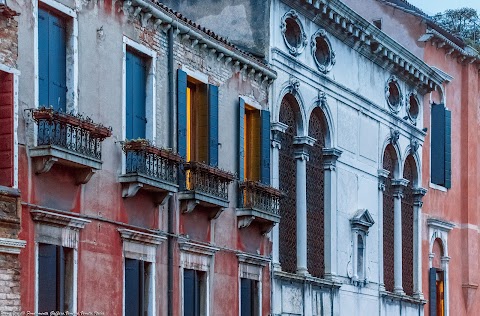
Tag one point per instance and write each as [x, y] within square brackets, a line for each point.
[171, 201]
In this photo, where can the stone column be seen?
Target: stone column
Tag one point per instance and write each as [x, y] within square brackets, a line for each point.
[278, 129]
[418, 195]
[398, 186]
[302, 143]
[382, 178]
[330, 157]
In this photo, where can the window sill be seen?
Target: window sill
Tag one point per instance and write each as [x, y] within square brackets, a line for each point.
[438, 187]
[307, 279]
[403, 298]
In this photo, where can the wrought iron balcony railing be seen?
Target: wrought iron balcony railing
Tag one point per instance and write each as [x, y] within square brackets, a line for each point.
[145, 159]
[74, 133]
[208, 180]
[258, 196]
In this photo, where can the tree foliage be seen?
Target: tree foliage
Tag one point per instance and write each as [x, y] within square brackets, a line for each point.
[463, 23]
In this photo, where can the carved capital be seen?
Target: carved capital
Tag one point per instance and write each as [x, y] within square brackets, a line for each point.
[330, 157]
[418, 194]
[302, 145]
[278, 129]
[382, 178]
[399, 186]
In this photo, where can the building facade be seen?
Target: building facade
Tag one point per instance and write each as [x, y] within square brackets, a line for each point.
[450, 157]
[144, 163]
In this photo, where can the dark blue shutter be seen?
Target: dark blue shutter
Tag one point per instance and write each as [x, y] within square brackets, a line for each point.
[213, 125]
[61, 263]
[246, 295]
[43, 44]
[132, 287]
[241, 139]
[438, 144]
[448, 149]
[135, 96]
[265, 148]
[57, 60]
[182, 112]
[47, 278]
[191, 293]
[432, 286]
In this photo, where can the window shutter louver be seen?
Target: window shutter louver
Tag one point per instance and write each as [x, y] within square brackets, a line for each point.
[43, 60]
[241, 139]
[432, 286]
[57, 59]
[182, 112]
[135, 94]
[47, 278]
[213, 125]
[438, 144]
[132, 287]
[265, 148]
[448, 149]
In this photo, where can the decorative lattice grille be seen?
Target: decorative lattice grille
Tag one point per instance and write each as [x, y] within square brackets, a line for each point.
[388, 221]
[407, 227]
[315, 199]
[287, 177]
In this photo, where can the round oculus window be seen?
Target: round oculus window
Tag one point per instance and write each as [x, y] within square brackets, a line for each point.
[413, 107]
[393, 94]
[293, 33]
[322, 52]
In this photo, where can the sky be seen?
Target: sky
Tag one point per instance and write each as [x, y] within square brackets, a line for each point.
[434, 6]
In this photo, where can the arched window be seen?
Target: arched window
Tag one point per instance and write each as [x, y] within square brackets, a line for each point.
[409, 173]
[389, 162]
[287, 179]
[437, 281]
[360, 258]
[315, 196]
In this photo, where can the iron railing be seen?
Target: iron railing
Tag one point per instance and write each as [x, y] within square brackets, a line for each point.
[145, 159]
[261, 197]
[72, 132]
[206, 179]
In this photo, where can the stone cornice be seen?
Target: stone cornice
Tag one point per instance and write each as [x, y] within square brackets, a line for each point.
[197, 248]
[56, 219]
[440, 224]
[11, 246]
[368, 40]
[252, 259]
[141, 237]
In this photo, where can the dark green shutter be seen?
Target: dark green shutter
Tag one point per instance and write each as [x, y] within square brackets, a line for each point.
[432, 286]
[265, 148]
[437, 163]
[448, 149]
[136, 76]
[47, 278]
[43, 42]
[241, 139]
[182, 112]
[213, 125]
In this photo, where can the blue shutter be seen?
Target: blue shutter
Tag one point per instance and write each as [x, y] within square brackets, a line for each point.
[61, 263]
[265, 148]
[43, 43]
[182, 113]
[432, 286]
[57, 60]
[246, 295]
[448, 149]
[47, 278]
[132, 287]
[135, 96]
[213, 125]
[241, 139]
[188, 292]
[437, 136]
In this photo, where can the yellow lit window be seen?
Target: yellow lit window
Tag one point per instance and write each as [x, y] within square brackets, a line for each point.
[252, 136]
[197, 121]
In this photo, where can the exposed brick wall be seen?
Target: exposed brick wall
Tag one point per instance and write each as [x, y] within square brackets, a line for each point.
[6, 129]
[9, 283]
[8, 41]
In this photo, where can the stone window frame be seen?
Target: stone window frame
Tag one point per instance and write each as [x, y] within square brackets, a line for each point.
[200, 257]
[321, 33]
[295, 51]
[360, 224]
[141, 246]
[395, 108]
[439, 229]
[251, 267]
[61, 230]
[150, 100]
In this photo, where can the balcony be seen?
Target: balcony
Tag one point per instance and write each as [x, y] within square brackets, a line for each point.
[258, 203]
[150, 168]
[206, 186]
[69, 140]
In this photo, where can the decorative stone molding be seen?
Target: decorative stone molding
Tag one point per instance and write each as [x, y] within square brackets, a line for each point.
[398, 186]
[302, 41]
[418, 194]
[278, 129]
[330, 157]
[322, 98]
[293, 85]
[140, 245]
[329, 55]
[393, 94]
[362, 221]
[440, 224]
[394, 136]
[56, 219]
[412, 112]
[302, 144]
[196, 256]
[251, 266]
[414, 145]
[382, 178]
[11, 246]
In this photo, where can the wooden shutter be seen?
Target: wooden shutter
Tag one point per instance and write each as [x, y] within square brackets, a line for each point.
[6, 129]
[182, 112]
[213, 125]
[438, 144]
[191, 292]
[265, 148]
[57, 60]
[241, 139]
[247, 292]
[132, 287]
[432, 286]
[135, 96]
[47, 278]
[61, 264]
[448, 149]
[43, 60]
